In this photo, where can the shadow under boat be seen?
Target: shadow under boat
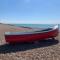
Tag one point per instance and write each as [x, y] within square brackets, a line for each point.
[9, 48]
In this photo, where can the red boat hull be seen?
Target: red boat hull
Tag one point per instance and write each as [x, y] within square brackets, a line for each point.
[31, 37]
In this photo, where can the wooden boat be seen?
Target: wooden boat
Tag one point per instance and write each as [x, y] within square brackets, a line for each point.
[15, 37]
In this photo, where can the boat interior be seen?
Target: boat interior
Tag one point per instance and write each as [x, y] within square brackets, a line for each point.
[31, 32]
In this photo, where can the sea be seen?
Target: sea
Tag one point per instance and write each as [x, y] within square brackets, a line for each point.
[37, 25]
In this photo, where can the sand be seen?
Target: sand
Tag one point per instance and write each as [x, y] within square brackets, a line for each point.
[44, 50]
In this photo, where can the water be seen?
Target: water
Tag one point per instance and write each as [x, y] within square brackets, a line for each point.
[37, 25]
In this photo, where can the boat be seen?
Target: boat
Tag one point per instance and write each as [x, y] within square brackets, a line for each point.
[19, 37]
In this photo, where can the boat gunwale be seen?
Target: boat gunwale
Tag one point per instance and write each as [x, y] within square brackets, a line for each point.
[34, 32]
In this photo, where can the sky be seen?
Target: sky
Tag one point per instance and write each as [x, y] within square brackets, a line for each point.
[30, 11]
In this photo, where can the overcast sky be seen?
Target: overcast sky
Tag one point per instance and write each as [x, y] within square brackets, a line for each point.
[30, 11]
